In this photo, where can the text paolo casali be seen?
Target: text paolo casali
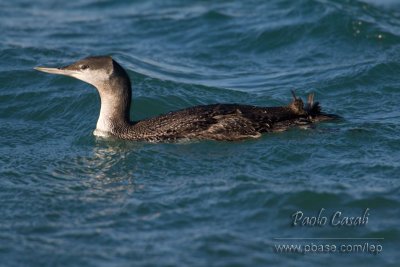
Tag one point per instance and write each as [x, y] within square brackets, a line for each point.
[336, 219]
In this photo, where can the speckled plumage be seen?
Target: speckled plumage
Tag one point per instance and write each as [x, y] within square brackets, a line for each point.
[214, 122]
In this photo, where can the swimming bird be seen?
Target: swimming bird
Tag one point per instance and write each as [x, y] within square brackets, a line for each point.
[228, 122]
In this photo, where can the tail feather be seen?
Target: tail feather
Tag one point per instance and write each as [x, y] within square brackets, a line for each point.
[310, 99]
[315, 113]
[312, 108]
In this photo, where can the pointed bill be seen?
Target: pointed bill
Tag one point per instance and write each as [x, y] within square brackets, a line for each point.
[56, 71]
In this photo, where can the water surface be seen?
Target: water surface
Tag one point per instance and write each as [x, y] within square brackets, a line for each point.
[69, 199]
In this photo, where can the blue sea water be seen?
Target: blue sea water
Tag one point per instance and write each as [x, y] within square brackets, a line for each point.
[69, 199]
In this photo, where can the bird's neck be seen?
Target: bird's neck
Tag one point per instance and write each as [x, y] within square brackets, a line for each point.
[115, 107]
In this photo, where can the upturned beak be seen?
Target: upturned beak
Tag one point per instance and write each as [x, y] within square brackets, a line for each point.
[60, 71]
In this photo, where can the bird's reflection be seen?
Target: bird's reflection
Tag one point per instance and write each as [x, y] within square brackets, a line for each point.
[110, 169]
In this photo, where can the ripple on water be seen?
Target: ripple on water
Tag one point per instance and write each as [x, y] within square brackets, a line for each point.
[70, 199]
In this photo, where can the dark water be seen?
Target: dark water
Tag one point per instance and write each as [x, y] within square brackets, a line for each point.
[69, 199]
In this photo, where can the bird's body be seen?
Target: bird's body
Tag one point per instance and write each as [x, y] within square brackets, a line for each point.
[217, 122]
[214, 122]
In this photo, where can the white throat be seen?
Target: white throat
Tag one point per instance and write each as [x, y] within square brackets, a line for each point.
[104, 122]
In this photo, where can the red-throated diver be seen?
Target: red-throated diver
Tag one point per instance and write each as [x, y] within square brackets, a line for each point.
[216, 122]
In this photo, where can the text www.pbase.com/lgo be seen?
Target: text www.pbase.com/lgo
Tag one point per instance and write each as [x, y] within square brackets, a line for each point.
[366, 247]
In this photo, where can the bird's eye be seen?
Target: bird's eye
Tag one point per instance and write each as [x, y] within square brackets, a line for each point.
[84, 67]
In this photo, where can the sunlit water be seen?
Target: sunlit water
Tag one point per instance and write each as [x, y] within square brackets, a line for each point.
[68, 199]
